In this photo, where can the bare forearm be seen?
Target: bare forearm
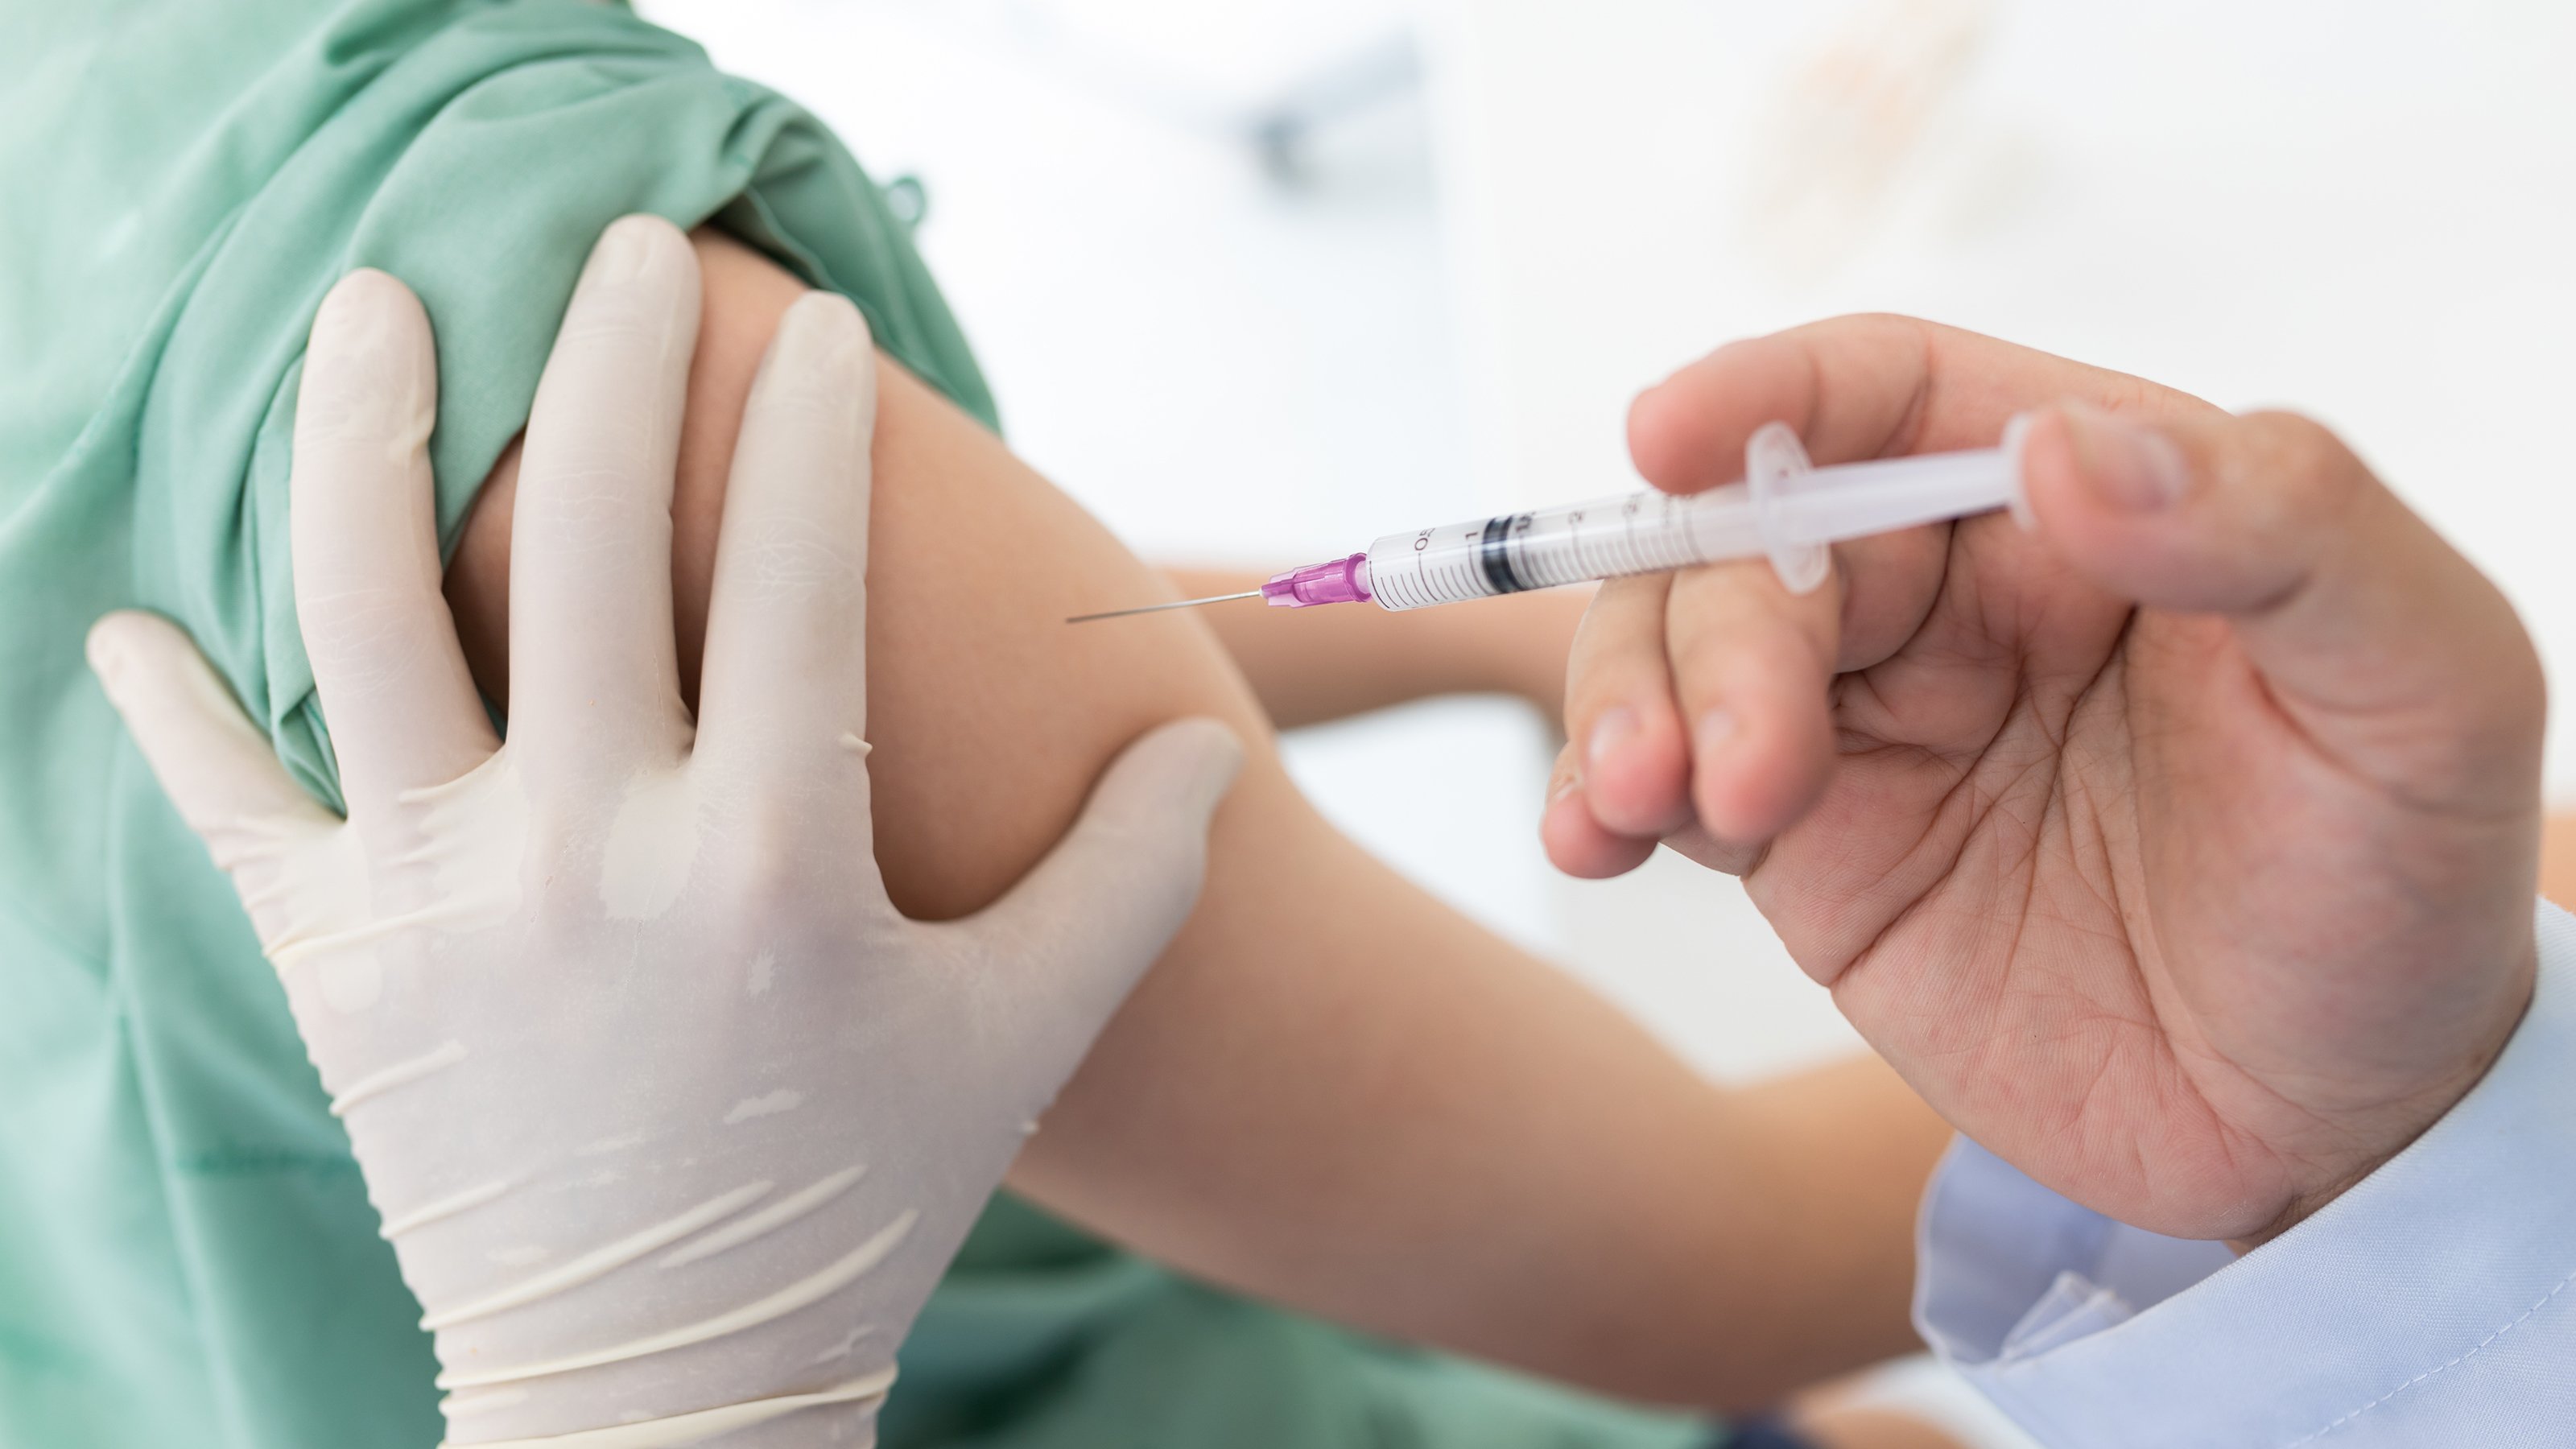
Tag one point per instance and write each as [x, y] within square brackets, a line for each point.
[1312, 665]
[1404, 1122]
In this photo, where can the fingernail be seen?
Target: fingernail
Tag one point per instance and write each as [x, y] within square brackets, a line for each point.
[1717, 729]
[1610, 732]
[2131, 468]
[1567, 786]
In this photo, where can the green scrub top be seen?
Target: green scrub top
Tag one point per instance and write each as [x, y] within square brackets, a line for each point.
[186, 1254]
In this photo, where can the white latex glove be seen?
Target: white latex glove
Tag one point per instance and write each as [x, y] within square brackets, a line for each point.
[673, 1121]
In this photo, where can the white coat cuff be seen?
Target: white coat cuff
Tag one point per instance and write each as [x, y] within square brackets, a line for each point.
[2434, 1302]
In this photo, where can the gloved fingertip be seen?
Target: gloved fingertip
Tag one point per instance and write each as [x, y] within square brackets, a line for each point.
[102, 647]
[356, 302]
[368, 320]
[369, 370]
[1220, 760]
[632, 249]
[116, 640]
[1193, 763]
[821, 355]
[829, 321]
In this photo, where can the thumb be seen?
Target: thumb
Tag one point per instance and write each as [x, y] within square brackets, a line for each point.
[1067, 944]
[2382, 642]
[216, 766]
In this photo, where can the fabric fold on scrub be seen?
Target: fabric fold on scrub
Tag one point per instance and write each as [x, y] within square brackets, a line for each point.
[187, 1255]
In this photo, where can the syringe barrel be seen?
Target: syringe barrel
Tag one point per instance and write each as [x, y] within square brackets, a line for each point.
[1787, 511]
[1632, 533]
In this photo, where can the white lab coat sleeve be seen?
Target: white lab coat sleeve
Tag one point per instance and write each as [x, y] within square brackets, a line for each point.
[2433, 1304]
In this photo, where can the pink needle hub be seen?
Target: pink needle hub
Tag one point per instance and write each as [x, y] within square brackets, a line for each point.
[1342, 581]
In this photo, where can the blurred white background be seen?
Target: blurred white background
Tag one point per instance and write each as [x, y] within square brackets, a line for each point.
[1260, 281]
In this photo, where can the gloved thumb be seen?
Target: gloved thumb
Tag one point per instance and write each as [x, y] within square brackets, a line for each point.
[1068, 943]
[216, 766]
[2386, 646]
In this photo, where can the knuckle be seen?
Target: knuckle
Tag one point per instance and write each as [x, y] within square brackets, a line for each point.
[767, 876]
[825, 397]
[366, 634]
[1110, 833]
[592, 512]
[797, 558]
[1734, 609]
[1620, 637]
[609, 328]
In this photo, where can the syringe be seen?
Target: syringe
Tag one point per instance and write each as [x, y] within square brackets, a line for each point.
[1786, 509]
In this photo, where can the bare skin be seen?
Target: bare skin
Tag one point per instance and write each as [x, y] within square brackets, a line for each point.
[1327, 1085]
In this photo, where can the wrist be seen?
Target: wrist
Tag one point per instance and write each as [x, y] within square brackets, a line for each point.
[2398, 1126]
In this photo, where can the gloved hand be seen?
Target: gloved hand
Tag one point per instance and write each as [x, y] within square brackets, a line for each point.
[672, 1120]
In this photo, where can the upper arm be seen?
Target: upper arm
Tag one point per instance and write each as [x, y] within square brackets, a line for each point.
[988, 716]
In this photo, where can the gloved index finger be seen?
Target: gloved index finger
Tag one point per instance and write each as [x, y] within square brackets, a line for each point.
[213, 762]
[403, 709]
[784, 686]
[595, 679]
